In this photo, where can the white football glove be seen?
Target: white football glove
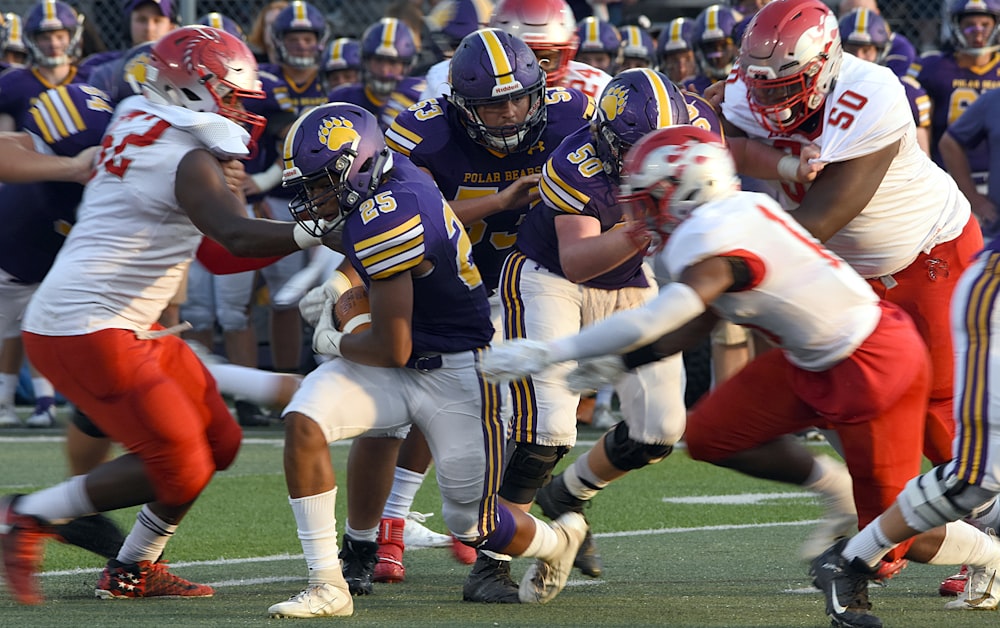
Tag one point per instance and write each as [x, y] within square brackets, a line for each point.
[322, 263]
[515, 359]
[311, 306]
[326, 338]
[595, 373]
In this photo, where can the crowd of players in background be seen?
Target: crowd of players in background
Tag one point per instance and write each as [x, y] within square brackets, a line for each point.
[395, 70]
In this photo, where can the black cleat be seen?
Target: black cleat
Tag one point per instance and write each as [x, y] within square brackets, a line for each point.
[555, 500]
[490, 582]
[845, 586]
[95, 533]
[357, 559]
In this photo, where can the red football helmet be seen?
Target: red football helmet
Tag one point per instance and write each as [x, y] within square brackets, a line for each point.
[670, 172]
[547, 26]
[205, 69]
[789, 59]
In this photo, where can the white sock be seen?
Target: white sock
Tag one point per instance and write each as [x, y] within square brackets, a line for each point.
[498, 556]
[43, 387]
[8, 388]
[368, 534]
[545, 543]
[247, 383]
[870, 545]
[60, 503]
[831, 480]
[405, 484]
[147, 539]
[581, 482]
[316, 526]
[965, 544]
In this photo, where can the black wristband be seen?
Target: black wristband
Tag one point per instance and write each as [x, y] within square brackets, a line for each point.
[641, 356]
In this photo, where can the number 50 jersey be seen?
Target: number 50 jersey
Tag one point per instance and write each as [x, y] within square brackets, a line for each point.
[432, 136]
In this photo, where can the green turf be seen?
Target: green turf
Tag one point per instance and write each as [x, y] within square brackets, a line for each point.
[667, 564]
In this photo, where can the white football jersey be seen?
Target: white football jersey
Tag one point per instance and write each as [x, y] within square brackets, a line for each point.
[126, 255]
[803, 297]
[917, 205]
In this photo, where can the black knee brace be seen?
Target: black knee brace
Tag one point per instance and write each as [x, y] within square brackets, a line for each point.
[84, 424]
[627, 454]
[529, 469]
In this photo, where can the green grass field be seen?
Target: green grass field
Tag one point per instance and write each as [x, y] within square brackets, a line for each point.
[684, 544]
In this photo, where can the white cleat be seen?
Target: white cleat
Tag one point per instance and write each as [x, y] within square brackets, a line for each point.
[840, 518]
[981, 593]
[317, 600]
[8, 418]
[545, 579]
[416, 534]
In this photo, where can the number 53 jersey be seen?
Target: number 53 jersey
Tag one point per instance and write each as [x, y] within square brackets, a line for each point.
[915, 207]
[431, 135]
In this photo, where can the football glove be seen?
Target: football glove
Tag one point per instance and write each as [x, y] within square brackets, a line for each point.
[515, 359]
[326, 338]
[595, 373]
[311, 306]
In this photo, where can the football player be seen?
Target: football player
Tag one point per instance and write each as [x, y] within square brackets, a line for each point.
[13, 52]
[430, 321]
[879, 202]
[485, 145]
[342, 62]
[714, 45]
[968, 65]
[449, 22]
[600, 44]
[841, 352]
[638, 50]
[676, 52]
[91, 327]
[387, 53]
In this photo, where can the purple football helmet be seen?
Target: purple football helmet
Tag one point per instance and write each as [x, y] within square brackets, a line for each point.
[342, 53]
[451, 20]
[490, 67]
[12, 35]
[223, 22]
[634, 103]
[961, 8]
[53, 15]
[334, 152]
[676, 36]
[713, 41]
[597, 35]
[389, 38]
[299, 17]
[863, 27]
[638, 44]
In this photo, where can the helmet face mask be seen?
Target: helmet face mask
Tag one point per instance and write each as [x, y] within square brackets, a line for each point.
[712, 41]
[61, 29]
[491, 73]
[387, 52]
[334, 157]
[789, 60]
[975, 26]
[292, 49]
[633, 104]
[547, 26]
[672, 171]
[205, 69]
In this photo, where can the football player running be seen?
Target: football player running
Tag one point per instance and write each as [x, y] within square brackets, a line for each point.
[879, 202]
[415, 365]
[91, 327]
[842, 353]
[500, 123]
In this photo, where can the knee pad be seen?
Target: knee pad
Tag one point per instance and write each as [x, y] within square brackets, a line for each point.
[627, 454]
[931, 500]
[233, 319]
[529, 469]
[85, 425]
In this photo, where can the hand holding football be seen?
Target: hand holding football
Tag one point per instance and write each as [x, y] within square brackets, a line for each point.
[352, 311]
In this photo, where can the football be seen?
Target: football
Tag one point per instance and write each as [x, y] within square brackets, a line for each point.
[352, 312]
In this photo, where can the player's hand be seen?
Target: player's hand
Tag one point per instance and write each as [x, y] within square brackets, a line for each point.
[233, 171]
[809, 164]
[311, 305]
[326, 338]
[521, 192]
[83, 165]
[515, 359]
[595, 373]
[297, 287]
[985, 211]
[714, 94]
